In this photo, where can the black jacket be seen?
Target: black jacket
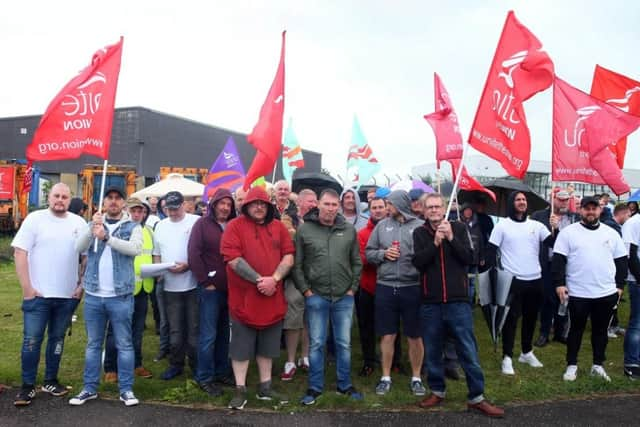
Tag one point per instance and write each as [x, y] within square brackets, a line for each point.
[443, 269]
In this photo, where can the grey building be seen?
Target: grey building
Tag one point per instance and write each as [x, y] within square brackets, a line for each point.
[145, 140]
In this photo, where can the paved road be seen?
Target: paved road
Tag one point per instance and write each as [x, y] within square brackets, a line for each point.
[48, 411]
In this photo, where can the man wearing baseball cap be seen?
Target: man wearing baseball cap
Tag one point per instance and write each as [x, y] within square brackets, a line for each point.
[108, 284]
[589, 269]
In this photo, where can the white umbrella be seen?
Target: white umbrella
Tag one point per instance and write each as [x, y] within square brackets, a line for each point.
[173, 182]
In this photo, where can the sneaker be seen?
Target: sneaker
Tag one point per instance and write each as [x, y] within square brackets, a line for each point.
[351, 392]
[530, 359]
[289, 371]
[303, 363]
[25, 395]
[211, 389]
[271, 395]
[571, 373]
[54, 388]
[507, 366]
[239, 399]
[632, 372]
[311, 397]
[82, 397]
[619, 331]
[611, 333]
[383, 387]
[366, 371]
[171, 373]
[227, 380]
[129, 398]
[417, 388]
[142, 372]
[598, 371]
[111, 377]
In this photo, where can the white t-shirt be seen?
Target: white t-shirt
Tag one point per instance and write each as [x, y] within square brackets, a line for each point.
[170, 241]
[631, 234]
[152, 220]
[519, 244]
[591, 271]
[51, 254]
[105, 268]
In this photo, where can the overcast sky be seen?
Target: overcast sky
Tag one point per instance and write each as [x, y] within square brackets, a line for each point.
[213, 61]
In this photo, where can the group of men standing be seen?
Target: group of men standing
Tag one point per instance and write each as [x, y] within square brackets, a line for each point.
[251, 269]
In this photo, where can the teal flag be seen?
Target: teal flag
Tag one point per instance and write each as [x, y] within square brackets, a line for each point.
[361, 164]
[291, 153]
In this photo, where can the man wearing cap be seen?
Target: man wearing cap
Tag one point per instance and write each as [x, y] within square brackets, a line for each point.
[47, 268]
[138, 212]
[415, 195]
[170, 243]
[390, 248]
[259, 254]
[589, 267]
[207, 264]
[555, 222]
[109, 282]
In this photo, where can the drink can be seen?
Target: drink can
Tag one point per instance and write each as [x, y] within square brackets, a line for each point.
[396, 244]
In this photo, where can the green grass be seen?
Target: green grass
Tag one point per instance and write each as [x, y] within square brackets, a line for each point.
[528, 385]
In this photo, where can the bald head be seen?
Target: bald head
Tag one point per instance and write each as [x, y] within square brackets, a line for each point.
[59, 199]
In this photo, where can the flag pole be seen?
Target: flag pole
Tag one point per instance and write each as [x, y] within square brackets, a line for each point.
[104, 178]
[454, 190]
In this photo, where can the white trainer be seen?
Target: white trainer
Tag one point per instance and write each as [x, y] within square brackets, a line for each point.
[571, 373]
[507, 366]
[598, 371]
[530, 359]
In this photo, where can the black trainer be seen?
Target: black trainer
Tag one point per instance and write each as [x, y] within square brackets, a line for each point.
[211, 389]
[54, 388]
[632, 372]
[25, 395]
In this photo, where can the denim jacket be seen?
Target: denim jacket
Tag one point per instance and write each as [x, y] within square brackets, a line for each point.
[126, 244]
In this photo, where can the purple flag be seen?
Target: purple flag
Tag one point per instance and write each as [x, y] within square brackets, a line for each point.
[226, 172]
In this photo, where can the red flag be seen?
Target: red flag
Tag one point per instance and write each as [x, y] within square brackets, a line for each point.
[467, 182]
[267, 134]
[79, 119]
[519, 70]
[27, 181]
[619, 91]
[444, 122]
[583, 128]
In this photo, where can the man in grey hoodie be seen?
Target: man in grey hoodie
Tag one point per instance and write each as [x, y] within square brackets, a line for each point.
[350, 207]
[398, 293]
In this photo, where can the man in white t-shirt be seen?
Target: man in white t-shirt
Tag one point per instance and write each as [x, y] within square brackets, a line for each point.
[518, 239]
[631, 237]
[170, 244]
[47, 268]
[108, 282]
[589, 268]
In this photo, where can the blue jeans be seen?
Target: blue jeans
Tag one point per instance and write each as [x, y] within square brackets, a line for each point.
[140, 308]
[319, 311]
[632, 336]
[118, 311]
[53, 314]
[213, 335]
[455, 320]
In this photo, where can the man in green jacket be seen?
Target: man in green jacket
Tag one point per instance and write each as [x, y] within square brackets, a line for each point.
[327, 272]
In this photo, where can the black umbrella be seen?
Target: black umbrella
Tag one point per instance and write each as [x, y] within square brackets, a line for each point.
[502, 187]
[315, 181]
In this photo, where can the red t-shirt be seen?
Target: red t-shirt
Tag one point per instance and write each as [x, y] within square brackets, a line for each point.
[263, 247]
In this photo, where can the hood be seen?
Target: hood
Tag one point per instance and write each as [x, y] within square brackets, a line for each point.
[357, 197]
[220, 194]
[511, 211]
[258, 193]
[400, 199]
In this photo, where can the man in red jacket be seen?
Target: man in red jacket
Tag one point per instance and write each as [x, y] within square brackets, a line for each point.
[442, 253]
[207, 265]
[365, 307]
[259, 254]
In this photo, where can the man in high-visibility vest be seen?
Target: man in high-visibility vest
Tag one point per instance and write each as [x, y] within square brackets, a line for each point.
[138, 212]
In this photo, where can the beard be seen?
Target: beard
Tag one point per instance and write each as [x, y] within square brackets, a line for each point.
[591, 221]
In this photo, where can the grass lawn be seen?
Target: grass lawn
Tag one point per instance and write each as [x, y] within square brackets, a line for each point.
[528, 384]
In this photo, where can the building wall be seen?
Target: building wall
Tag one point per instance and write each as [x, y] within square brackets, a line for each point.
[146, 140]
